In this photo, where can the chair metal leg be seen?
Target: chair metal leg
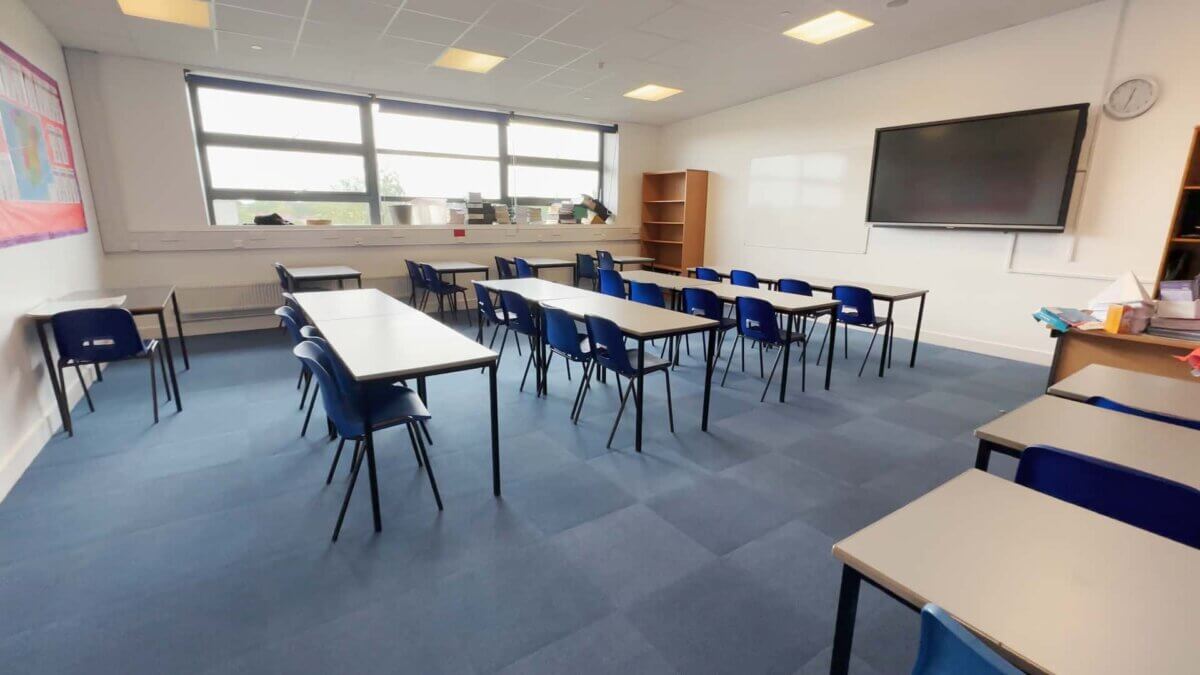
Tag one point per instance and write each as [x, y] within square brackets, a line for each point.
[620, 411]
[583, 384]
[153, 387]
[307, 381]
[868, 354]
[311, 404]
[743, 354]
[428, 469]
[162, 362]
[846, 339]
[300, 380]
[729, 361]
[425, 429]
[86, 394]
[761, 370]
[336, 457]
[670, 407]
[349, 491]
[821, 351]
[773, 367]
[528, 363]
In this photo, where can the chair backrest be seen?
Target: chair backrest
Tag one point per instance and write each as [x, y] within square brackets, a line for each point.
[292, 322]
[646, 293]
[707, 274]
[310, 332]
[524, 271]
[611, 283]
[433, 280]
[483, 299]
[1109, 404]
[503, 268]
[585, 266]
[949, 649]
[415, 274]
[858, 306]
[756, 320]
[285, 279]
[743, 278]
[96, 335]
[702, 302]
[608, 345]
[795, 286]
[522, 318]
[561, 333]
[290, 300]
[1150, 502]
[319, 361]
[604, 260]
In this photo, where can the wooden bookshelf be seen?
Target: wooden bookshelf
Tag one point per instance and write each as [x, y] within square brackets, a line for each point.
[1181, 253]
[674, 213]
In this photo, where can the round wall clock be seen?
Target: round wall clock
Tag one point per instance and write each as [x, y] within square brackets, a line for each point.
[1131, 98]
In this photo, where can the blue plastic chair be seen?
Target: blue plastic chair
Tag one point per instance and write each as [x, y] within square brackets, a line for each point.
[564, 339]
[416, 280]
[947, 648]
[504, 268]
[743, 278]
[795, 286]
[607, 344]
[1142, 500]
[443, 289]
[756, 321]
[707, 274]
[604, 260]
[646, 293]
[285, 279]
[389, 407]
[857, 309]
[705, 303]
[292, 323]
[89, 337]
[524, 271]
[611, 283]
[521, 321]
[1109, 404]
[496, 317]
[585, 268]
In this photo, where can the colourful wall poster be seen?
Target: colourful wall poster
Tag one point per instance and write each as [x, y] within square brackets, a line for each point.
[39, 190]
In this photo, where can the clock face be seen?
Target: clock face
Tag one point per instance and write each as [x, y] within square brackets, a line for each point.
[1131, 98]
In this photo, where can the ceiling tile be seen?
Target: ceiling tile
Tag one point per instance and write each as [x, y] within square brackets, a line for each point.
[285, 7]
[261, 24]
[492, 41]
[181, 44]
[427, 28]
[409, 50]
[588, 28]
[635, 44]
[682, 22]
[521, 70]
[358, 13]
[634, 12]
[338, 36]
[553, 53]
[463, 10]
[568, 77]
[522, 17]
[238, 51]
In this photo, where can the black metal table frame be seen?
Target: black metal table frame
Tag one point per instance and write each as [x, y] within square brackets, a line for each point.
[59, 387]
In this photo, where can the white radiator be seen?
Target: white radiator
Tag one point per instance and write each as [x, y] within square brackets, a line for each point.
[210, 303]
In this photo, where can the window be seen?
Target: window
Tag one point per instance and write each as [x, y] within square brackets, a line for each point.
[307, 154]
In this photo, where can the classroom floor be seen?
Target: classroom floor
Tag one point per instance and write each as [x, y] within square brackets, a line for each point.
[201, 544]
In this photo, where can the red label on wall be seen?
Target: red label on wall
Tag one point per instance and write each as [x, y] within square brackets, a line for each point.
[460, 233]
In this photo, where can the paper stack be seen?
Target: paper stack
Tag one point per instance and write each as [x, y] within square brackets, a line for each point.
[1178, 312]
[501, 214]
[475, 208]
[1127, 305]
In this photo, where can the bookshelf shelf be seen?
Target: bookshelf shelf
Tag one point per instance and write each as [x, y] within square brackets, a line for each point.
[1185, 240]
[1181, 253]
[674, 213]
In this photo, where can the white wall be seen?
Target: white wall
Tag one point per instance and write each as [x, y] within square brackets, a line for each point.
[150, 201]
[32, 272]
[981, 297]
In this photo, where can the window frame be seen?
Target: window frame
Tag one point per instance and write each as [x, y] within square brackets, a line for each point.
[368, 150]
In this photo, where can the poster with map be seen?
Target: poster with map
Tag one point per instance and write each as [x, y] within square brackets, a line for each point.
[39, 191]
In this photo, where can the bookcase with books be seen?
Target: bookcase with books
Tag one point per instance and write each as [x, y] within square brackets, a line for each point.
[674, 213]
[1178, 284]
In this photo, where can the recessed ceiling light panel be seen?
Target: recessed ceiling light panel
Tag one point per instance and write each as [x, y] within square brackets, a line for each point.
[831, 26]
[465, 59]
[652, 92]
[194, 13]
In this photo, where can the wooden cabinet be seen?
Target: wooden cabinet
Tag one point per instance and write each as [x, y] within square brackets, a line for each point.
[674, 211]
[1181, 253]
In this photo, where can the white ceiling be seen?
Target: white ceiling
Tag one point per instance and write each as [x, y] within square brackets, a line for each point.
[567, 57]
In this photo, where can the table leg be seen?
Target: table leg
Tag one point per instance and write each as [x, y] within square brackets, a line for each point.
[847, 612]
[887, 336]
[359, 279]
[341, 284]
[710, 358]
[373, 478]
[495, 431]
[178, 327]
[787, 351]
[983, 455]
[832, 339]
[162, 327]
[60, 396]
[641, 392]
[912, 359]
[421, 391]
[544, 385]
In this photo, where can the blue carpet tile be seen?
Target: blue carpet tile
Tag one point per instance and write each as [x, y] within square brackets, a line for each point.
[201, 544]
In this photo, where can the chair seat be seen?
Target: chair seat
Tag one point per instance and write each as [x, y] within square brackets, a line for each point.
[147, 347]
[391, 404]
[450, 288]
[868, 324]
[727, 322]
[652, 363]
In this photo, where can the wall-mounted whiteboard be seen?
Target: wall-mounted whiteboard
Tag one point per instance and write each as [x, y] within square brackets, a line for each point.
[814, 200]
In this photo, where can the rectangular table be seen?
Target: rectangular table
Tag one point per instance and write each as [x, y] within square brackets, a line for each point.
[1152, 393]
[882, 292]
[620, 261]
[539, 264]
[642, 323]
[1166, 450]
[455, 268]
[338, 273]
[792, 305]
[351, 304]
[139, 301]
[396, 344]
[1052, 587]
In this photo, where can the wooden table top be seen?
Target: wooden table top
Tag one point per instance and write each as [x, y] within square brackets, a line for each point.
[324, 272]
[634, 318]
[1166, 450]
[534, 289]
[352, 304]
[676, 282]
[451, 266]
[1144, 391]
[389, 347]
[548, 262]
[1056, 588]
